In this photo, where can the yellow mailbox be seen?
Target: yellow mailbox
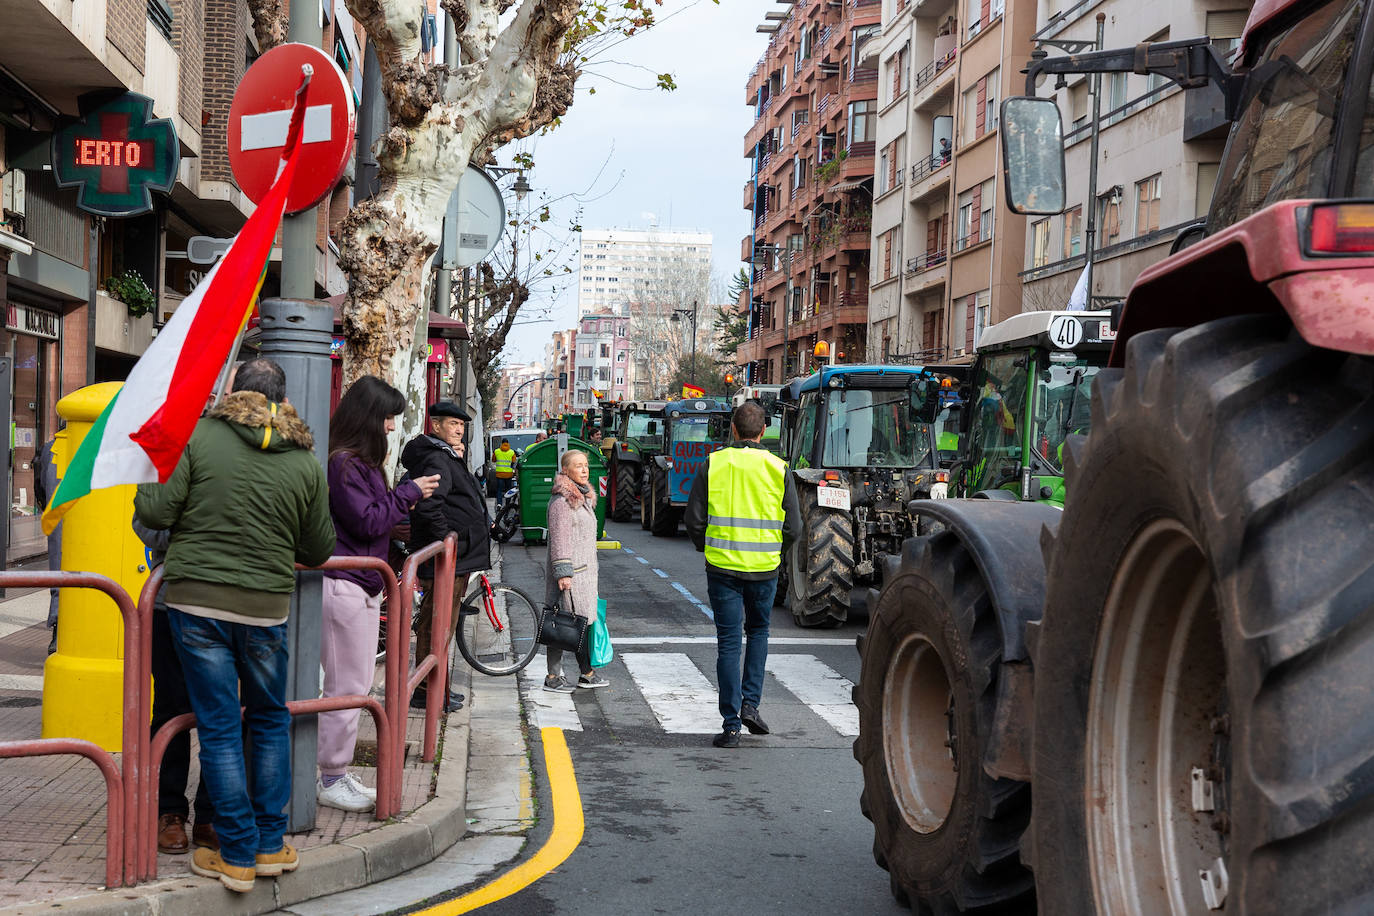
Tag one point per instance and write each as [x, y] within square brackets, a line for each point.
[83, 681]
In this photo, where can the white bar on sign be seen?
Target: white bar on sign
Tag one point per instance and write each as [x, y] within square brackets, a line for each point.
[268, 130]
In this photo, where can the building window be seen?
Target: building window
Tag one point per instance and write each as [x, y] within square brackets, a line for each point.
[1115, 86]
[1109, 218]
[883, 159]
[1147, 205]
[987, 197]
[584, 373]
[990, 101]
[1224, 28]
[605, 351]
[964, 227]
[1079, 108]
[982, 305]
[1040, 243]
[863, 119]
[975, 18]
[1073, 232]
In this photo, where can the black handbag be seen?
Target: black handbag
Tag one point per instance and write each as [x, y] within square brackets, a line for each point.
[562, 629]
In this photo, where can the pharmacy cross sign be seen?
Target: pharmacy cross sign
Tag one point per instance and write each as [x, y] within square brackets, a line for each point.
[116, 154]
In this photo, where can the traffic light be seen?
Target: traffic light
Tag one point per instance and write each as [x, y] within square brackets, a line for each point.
[563, 381]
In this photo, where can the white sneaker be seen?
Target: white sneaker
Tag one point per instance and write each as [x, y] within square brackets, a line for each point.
[342, 795]
[361, 789]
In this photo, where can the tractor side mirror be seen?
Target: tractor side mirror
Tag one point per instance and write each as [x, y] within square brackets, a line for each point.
[925, 395]
[1033, 155]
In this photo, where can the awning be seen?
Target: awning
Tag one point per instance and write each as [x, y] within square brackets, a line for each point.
[849, 185]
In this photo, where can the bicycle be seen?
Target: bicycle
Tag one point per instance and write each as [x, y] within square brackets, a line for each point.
[498, 628]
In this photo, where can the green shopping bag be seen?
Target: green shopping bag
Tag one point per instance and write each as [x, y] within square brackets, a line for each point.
[602, 653]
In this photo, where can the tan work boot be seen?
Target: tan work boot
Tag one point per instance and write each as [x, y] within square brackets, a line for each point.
[275, 863]
[208, 864]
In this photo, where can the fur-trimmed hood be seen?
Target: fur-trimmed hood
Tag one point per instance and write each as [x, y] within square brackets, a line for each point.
[563, 486]
[264, 424]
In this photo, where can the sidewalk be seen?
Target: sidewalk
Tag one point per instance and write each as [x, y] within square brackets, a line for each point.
[52, 849]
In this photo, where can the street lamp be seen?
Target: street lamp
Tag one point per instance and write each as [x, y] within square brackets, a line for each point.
[547, 378]
[521, 186]
[676, 318]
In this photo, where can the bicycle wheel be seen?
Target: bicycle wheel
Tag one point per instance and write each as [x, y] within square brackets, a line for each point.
[498, 632]
[507, 520]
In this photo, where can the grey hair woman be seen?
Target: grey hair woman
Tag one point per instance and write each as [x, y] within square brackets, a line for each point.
[571, 572]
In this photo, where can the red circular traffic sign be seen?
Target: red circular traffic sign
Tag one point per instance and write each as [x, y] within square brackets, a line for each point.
[508, 416]
[261, 113]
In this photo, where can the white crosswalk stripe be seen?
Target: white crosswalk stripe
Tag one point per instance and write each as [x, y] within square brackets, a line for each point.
[818, 686]
[684, 701]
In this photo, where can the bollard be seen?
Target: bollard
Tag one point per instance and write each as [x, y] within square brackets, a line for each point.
[83, 691]
[296, 334]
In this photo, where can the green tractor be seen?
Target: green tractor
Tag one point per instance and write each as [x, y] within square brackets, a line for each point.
[638, 438]
[1031, 389]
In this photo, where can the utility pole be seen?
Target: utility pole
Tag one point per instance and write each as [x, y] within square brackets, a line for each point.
[1092, 164]
[296, 333]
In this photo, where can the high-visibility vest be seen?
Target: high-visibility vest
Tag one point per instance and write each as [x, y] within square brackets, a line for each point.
[503, 462]
[744, 512]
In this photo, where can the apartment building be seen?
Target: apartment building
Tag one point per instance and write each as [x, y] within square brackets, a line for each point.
[604, 365]
[636, 271]
[521, 393]
[812, 145]
[73, 312]
[555, 394]
[946, 254]
[1159, 149]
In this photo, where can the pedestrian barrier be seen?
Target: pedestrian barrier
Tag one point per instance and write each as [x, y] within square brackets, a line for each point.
[122, 787]
[131, 785]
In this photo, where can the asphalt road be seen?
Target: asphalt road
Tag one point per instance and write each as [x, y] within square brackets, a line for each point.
[672, 824]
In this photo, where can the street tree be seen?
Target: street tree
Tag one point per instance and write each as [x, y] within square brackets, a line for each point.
[518, 77]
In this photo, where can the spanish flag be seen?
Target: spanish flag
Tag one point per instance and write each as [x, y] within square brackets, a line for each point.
[140, 435]
[692, 391]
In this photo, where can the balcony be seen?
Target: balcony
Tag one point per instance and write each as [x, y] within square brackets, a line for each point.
[929, 175]
[926, 272]
[749, 195]
[934, 82]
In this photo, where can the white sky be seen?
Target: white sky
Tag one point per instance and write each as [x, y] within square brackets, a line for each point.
[675, 156]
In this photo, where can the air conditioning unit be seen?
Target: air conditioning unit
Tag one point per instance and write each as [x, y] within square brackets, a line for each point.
[12, 199]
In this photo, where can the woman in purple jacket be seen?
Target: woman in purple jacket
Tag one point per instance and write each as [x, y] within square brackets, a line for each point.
[365, 510]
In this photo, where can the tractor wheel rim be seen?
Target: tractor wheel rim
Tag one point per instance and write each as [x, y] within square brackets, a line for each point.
[918, 745]
[1155, 764]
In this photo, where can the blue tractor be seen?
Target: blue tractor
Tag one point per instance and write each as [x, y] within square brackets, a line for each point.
[693, 428]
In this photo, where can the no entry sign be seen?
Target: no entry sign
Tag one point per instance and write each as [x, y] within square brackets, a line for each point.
[261, 113]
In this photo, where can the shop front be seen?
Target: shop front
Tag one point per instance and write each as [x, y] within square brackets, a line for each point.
[31, 340]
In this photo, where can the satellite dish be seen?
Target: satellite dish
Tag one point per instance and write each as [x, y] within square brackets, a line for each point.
[481, 216]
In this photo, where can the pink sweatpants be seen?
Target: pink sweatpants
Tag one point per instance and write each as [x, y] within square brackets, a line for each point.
[348, 652]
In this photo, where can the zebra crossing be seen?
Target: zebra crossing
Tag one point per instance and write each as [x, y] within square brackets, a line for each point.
[683, 699]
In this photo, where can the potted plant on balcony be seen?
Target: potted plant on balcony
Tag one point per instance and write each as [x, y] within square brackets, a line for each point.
[130, 289]
[829, 169]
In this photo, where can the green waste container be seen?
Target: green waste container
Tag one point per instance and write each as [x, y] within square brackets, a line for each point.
[534, 473]
[573, 424]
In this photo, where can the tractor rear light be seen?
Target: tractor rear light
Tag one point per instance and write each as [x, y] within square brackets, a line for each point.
[1341, 229]
[831, 475]
[942, 476]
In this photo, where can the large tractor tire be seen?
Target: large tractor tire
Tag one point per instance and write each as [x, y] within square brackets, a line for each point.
[663, 518]
[821, 566]
[626, 488]
[1203, 669]
[948, 834]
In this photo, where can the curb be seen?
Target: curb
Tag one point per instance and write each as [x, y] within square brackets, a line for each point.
[374, 855]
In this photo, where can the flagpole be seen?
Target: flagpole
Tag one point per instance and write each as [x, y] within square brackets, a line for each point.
[293, 136]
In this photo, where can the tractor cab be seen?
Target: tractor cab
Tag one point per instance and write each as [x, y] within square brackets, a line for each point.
[1031, 389]
[767, 398]
[694, 428]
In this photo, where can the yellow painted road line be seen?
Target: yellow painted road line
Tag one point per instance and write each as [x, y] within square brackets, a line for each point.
[563, 839]
[607, 545]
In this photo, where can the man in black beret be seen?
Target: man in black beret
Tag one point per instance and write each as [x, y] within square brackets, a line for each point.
[457, 506]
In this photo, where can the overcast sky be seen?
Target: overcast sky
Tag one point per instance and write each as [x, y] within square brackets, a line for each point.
[674, 157]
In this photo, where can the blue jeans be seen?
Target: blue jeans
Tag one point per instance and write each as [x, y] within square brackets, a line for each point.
[741, 606]
[227, 664]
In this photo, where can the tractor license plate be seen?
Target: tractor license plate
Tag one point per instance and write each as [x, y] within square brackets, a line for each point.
[833, 497]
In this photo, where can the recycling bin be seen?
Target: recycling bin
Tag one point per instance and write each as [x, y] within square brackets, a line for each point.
[534, 473]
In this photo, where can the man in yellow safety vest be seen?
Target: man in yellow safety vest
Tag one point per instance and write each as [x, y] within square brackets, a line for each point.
[503, 467]
[743, 514]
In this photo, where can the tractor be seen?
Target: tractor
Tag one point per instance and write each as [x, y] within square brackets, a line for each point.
[860, 444]
[1155, 700]
[693, 429]
[638, 438]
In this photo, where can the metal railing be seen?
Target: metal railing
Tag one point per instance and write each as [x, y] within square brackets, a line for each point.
[929, 166]
[926, 261]
[933, 69]
[131, 787]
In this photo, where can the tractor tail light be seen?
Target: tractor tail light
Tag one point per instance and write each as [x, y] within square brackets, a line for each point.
[942, 476]
[831, 475]
[1341, 229]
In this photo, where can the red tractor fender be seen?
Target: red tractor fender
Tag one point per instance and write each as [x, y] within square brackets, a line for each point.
[1257, 265]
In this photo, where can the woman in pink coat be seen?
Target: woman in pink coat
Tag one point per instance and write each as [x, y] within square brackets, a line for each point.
[572, 564]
